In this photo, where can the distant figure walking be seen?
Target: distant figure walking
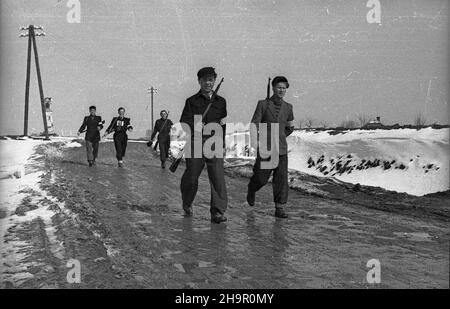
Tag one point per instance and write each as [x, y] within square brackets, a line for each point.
[92, 124]
[163, 126]
[120, 125]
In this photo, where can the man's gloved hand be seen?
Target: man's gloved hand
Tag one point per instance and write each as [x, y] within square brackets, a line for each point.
[149, 144]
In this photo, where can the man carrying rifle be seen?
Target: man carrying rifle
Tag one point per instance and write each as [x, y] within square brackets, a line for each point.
[94, 124]
[163, 126]
[274, 113]
[211, 108]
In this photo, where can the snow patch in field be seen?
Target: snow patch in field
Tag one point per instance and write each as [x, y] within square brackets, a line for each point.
[402, 160]
[73, 145]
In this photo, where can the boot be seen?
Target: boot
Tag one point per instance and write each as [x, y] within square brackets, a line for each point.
[251, 198]
[163, 164]
[188, 211]
[279, 212]
[218, 218]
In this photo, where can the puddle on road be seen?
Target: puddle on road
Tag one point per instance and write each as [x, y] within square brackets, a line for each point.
[203, 264]
[201, 229]
[227, 272]
[385, 237]
[354, 224]
[414, 236]
[168, 254]
[180, 268]
[315, 217]
[148, 208]
[146, 221]
[189, 268]
[329, 217]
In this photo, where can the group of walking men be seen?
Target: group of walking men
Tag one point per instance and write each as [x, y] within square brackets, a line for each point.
[93, 124]
[212, 109]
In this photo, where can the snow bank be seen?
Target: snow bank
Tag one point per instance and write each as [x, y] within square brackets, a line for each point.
[13, 156]
[403, 160]
[73, 145]
[15, 152]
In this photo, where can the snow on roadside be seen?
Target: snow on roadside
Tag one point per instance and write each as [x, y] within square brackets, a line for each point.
[14, 155]
[73, 145]
[402, 160]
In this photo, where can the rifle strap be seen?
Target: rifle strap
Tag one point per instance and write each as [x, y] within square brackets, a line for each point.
[207, 108]
[164, 123]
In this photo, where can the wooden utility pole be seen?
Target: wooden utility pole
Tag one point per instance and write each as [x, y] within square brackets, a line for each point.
[152, 91]
[27, 86]
[32, 43]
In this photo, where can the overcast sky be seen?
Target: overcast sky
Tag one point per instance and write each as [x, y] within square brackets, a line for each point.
[339, 65]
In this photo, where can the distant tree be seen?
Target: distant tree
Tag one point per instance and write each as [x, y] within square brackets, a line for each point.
[309, 122]
[419, 120]
[300, 123]
[324, 124]
[349, 124]
[363, 120]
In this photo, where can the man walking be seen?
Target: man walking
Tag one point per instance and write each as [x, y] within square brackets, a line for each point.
[197, 105]
[273, 111]
[93, 124]
[163, 126]
[120, 125]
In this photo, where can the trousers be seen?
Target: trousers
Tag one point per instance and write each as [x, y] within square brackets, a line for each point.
[120, 143]
[216, 175]
[280, 183]
[91, 150]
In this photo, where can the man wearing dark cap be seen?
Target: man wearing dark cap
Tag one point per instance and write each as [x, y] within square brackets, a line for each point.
[163, 127]
[196, 105]
[93, 124]
[273, 111]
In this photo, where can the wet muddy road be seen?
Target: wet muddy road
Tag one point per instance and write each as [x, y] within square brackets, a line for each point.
[129, 232]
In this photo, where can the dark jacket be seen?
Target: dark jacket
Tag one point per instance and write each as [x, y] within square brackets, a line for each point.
[266, 113]
[163, 129]
[197, 104]
[119, 126]
[92, 124]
